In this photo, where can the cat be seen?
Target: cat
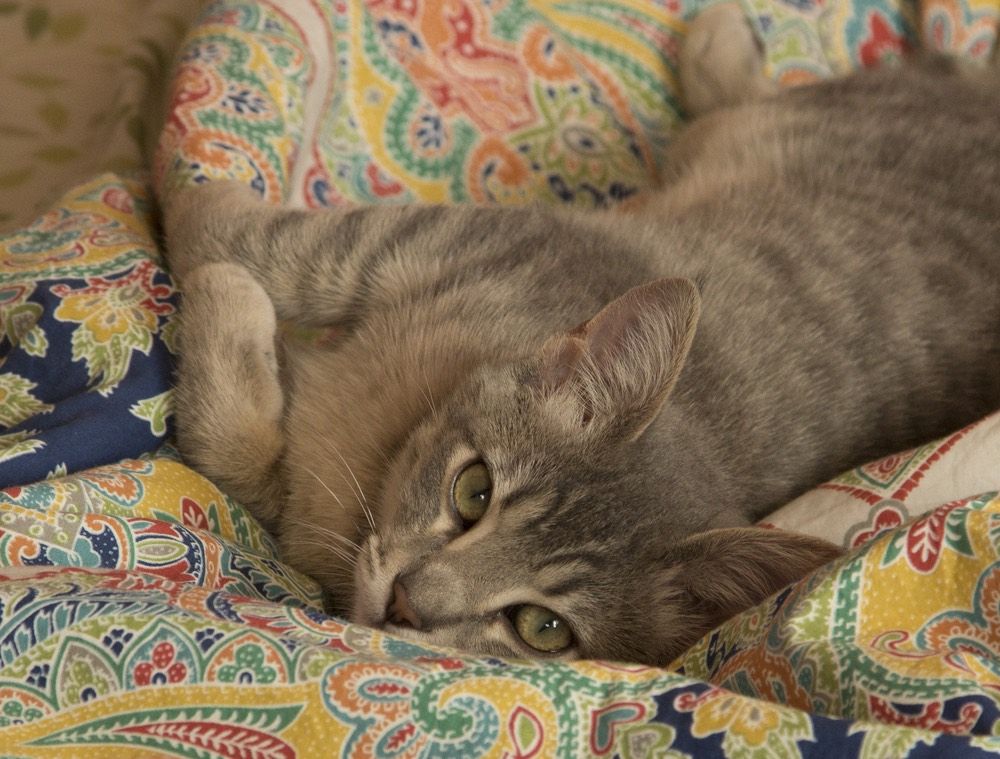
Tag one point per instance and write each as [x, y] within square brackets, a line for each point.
[548, 432]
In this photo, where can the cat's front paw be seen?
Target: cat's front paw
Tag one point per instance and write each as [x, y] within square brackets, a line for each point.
[228, 299]
[195, 219]
[722, 61]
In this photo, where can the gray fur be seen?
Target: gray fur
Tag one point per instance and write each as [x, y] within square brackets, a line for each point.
[843, 240]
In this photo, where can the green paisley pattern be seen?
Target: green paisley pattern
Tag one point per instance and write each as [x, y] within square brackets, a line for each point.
[143, 611]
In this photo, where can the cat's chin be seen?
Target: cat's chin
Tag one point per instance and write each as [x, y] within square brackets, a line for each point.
[406, 632]
[431, 640]
[362, 614]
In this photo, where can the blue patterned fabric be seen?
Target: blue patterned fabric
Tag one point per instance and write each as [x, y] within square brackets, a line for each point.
[85, 314]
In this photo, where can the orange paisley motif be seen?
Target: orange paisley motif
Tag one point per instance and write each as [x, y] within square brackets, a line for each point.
[459, 65]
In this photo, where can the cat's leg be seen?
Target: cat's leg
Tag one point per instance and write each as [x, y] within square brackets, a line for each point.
[318, 267]
[227, 397]
[722, 61]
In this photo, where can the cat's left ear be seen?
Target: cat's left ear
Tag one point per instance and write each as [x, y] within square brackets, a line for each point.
[714, 575]
[617, 368]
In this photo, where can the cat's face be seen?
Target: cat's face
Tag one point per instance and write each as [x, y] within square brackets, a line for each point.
[501, 533]
[530, 517]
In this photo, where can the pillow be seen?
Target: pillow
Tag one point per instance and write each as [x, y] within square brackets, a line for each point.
[456, 101]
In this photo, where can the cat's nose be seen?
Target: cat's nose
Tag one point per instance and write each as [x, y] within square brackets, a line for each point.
[399, 611]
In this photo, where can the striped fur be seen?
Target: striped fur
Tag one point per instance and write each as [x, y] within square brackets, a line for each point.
[843, 243]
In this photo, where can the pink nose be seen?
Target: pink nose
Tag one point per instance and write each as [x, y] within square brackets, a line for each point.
[399, 612]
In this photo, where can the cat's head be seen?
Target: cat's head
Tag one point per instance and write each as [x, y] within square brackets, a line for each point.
[529, 516]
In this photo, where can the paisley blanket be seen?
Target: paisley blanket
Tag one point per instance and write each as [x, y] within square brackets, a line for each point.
[142, 611]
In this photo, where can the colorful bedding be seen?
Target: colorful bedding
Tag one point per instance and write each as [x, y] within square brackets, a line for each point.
[144, 612]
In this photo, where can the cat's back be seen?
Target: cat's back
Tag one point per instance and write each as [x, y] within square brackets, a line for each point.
[922, 137]
[846, 233]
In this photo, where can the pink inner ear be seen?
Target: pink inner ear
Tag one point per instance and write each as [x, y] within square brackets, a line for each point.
[560, 355]
[607, 330]
[633, 349]
[607, 333]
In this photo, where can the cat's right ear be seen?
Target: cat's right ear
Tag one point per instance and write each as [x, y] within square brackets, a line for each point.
[615, 370]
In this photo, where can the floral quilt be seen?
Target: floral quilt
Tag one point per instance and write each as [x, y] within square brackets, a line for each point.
[143, 612]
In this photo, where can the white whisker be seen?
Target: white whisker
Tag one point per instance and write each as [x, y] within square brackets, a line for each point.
[332, 548]
[359, 495]
[371, 445]
[326, 531]
[428, 396]
[340, 585]
[351, 472]
[326, 487]
[334, 495]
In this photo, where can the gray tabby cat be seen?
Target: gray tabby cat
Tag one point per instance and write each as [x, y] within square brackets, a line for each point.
[547, 432]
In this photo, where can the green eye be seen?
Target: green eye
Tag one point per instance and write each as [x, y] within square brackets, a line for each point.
[541, 629]
[471, 492]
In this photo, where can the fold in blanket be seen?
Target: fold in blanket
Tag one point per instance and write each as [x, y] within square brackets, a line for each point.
[142, 610]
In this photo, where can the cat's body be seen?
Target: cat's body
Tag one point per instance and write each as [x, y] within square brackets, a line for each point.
[844, 241]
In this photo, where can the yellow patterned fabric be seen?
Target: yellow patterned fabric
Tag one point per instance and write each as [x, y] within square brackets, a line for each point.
[904, 631]
[144, 612]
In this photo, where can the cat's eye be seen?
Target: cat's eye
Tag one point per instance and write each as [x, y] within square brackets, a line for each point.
[541, 629]
[471, 492]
